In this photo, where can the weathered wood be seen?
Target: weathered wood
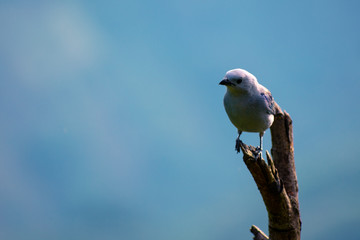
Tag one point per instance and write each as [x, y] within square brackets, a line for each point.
[283, 151]
[283, 154]
[258, 234]
[277, 181]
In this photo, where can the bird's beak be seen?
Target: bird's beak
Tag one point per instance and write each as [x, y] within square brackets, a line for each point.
[225, 82]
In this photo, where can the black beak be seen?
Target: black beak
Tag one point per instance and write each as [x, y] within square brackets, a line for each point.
[226, 82]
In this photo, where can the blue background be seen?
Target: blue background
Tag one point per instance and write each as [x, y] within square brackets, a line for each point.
[112, 124]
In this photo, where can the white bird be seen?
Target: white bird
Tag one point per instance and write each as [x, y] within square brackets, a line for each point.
[248, 104]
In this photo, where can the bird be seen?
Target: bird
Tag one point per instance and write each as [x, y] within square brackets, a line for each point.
[249, 105]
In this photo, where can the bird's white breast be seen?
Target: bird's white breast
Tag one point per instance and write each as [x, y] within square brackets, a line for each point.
[248, 113]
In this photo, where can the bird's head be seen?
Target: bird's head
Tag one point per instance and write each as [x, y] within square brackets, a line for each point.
[239, 80]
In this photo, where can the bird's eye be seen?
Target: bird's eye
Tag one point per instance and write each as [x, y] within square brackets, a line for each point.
[239, 81]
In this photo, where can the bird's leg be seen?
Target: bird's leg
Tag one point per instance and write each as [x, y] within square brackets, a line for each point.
[237, 142]
[260, 148]
[261, 140]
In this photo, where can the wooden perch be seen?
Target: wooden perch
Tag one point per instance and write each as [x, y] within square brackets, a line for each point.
[276, 181]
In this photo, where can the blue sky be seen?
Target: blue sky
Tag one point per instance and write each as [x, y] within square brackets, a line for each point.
[113, 126]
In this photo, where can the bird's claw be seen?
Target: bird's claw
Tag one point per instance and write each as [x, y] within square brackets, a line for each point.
[258, 152]
[237, 145]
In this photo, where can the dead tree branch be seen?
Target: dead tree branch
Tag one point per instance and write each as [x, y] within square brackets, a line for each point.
[258, 234]
[277, 181]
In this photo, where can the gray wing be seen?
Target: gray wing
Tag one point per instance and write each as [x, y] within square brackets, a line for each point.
[269, 101]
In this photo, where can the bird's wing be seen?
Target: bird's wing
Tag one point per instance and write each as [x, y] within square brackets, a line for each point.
[269, 100]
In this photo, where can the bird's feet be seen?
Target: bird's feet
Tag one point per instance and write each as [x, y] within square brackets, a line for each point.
[258, 152]
[237, 145]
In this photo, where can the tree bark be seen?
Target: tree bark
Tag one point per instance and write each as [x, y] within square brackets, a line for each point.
[277, 181]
